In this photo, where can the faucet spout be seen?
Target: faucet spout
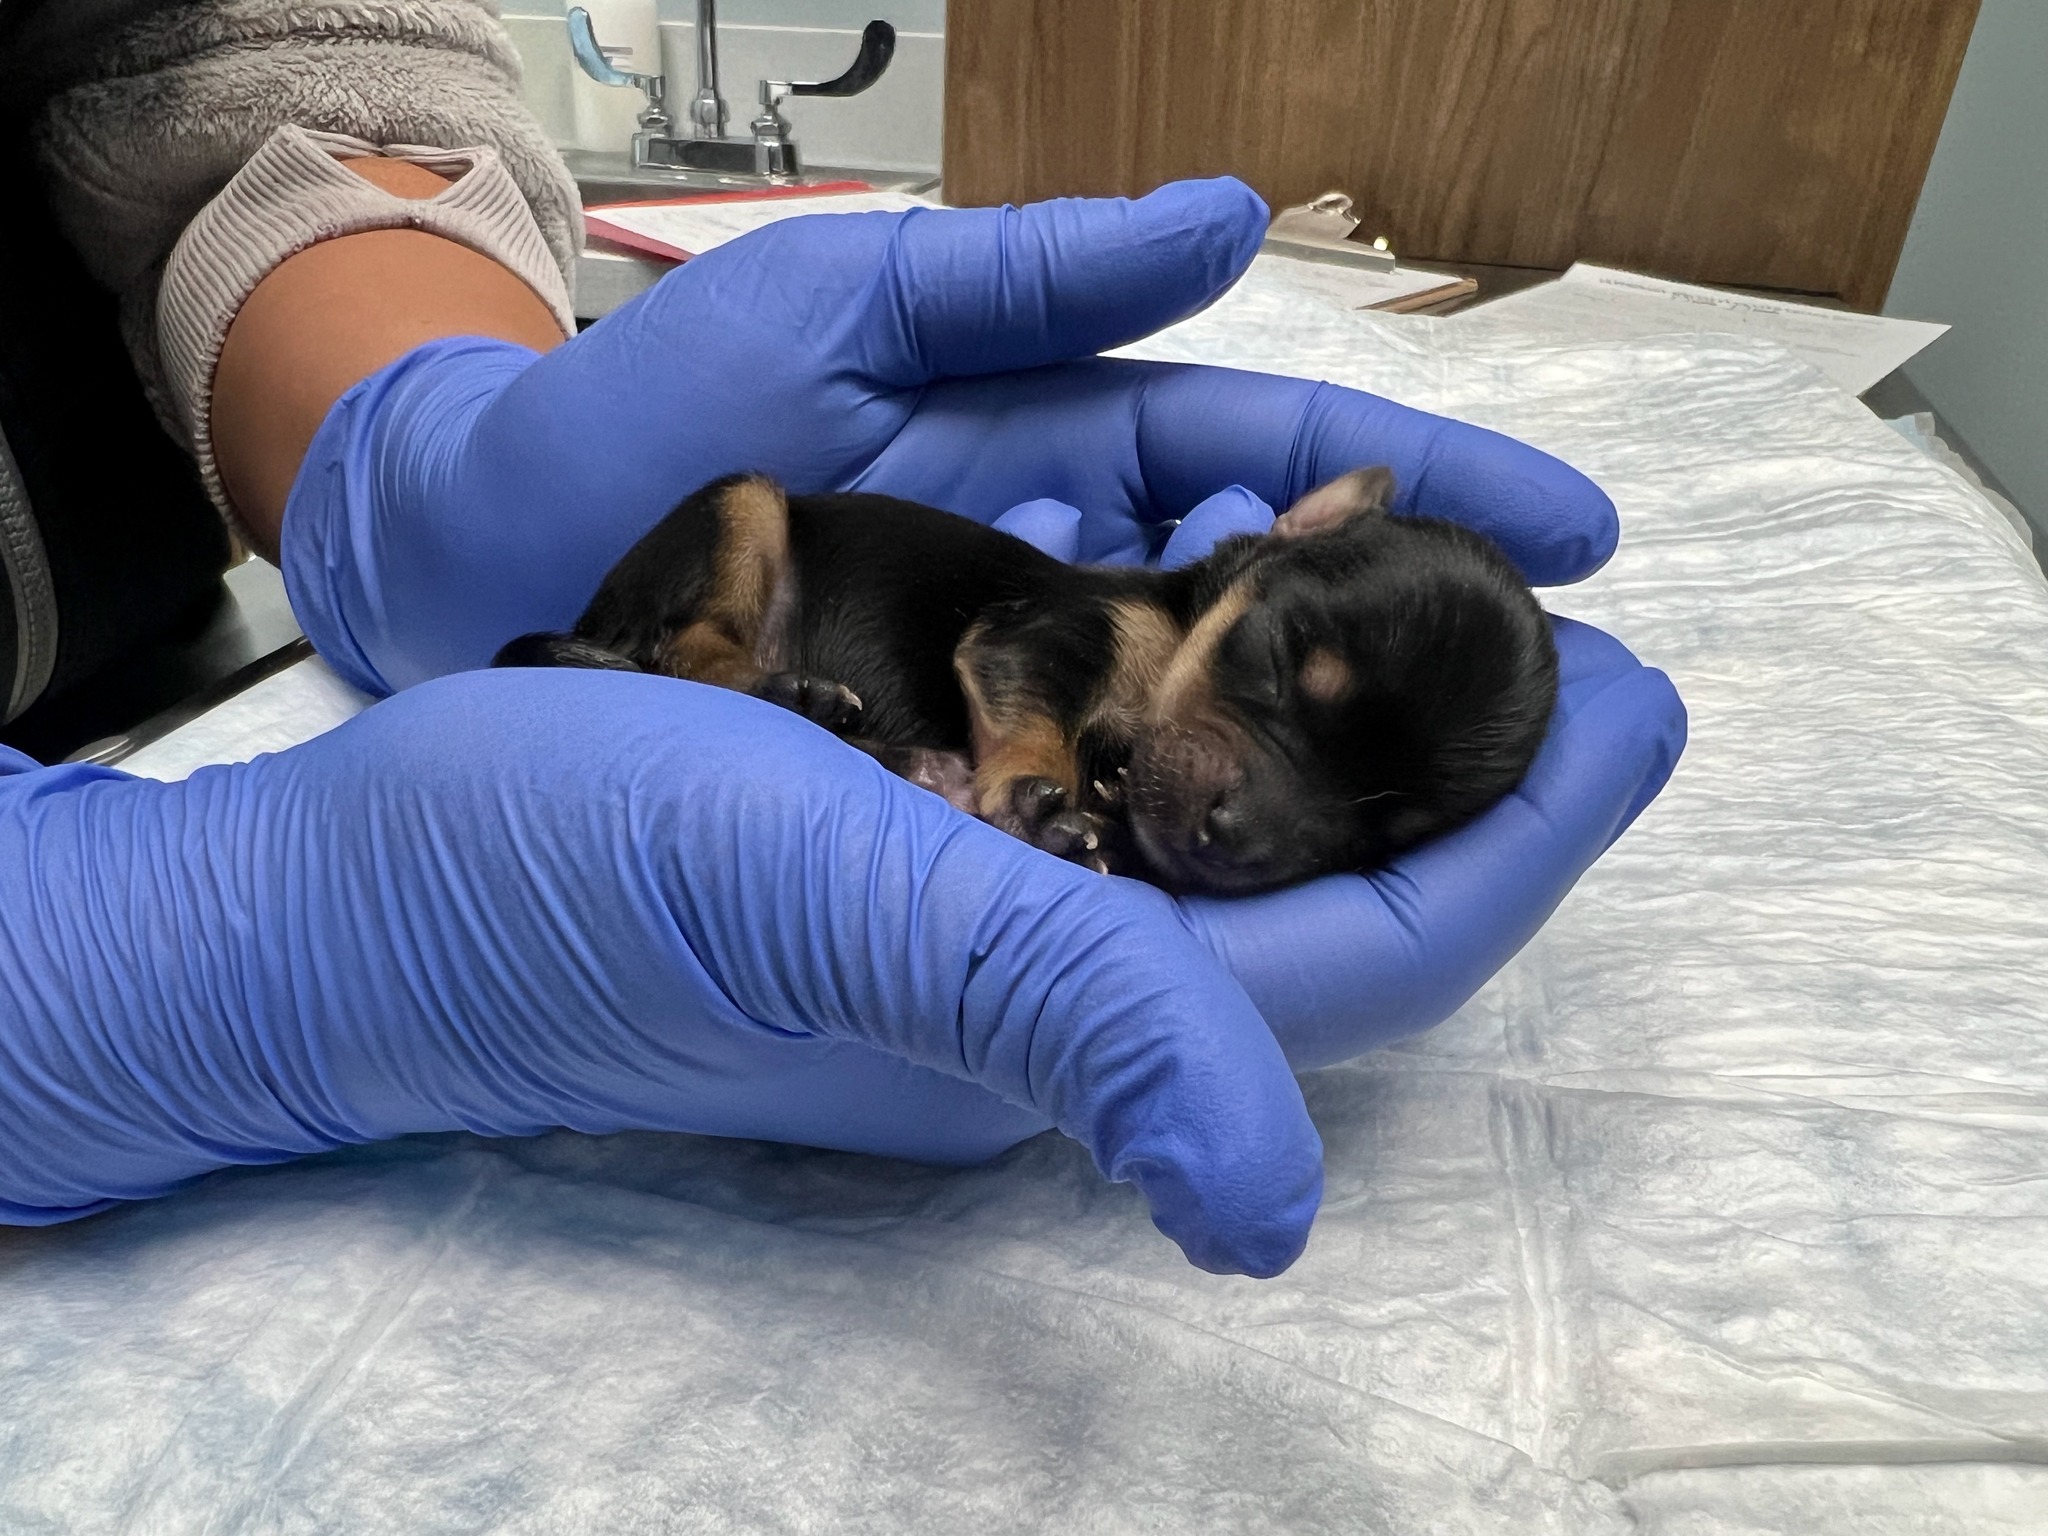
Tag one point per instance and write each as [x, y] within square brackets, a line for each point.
[707, 107]
[768, 155]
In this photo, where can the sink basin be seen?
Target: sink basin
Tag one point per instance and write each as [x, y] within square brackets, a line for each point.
[607, 276]
[610, 178]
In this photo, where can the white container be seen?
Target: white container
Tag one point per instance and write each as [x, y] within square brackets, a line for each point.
[603, 117]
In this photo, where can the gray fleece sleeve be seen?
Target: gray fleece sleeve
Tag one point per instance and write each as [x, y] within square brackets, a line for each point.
[159, 113]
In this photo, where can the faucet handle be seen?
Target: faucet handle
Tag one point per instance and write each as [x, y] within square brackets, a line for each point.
[596, 59]
[774, 155]
[877, 48]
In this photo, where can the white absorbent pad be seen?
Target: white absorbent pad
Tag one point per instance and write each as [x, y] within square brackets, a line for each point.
[1724, 1209]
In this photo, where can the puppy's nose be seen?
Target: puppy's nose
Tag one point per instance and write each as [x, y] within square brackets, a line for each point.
[1223, 828]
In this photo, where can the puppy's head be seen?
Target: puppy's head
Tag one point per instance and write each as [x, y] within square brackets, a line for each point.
[1359, 683]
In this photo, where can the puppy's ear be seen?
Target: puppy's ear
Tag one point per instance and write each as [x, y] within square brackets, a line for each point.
[1362, 493]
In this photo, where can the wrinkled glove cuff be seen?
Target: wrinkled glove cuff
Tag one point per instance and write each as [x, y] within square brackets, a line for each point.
[295, 192]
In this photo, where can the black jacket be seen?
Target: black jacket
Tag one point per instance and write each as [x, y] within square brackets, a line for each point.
[106, 540]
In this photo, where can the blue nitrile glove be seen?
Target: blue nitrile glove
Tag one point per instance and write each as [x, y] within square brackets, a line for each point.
[1346, 963]
[515, 900]
[469, 493]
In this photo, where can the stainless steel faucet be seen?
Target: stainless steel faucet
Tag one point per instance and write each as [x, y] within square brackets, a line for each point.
[769, 153]
[707, 108]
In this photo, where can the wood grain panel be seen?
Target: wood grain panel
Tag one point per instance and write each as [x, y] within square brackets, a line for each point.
[1738, 141]
[1806, 133]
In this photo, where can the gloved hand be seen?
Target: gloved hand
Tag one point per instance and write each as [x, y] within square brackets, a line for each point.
[1344, 964]
[469, 493]
[1347, 963]
[515, 900]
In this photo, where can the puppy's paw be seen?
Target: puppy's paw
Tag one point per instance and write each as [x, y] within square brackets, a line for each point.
[1079, 838]
[819, 700]
[1041, 813]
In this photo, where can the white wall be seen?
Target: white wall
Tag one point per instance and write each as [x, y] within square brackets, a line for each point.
[1977, 256]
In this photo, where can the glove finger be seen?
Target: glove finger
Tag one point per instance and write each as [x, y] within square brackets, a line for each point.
[1137, 443]
[1345, 964]
[1229, 513]
[1585, 652]
[1587, 658]
[1049, 526]
[1145, 1050]
[827, 896]
[1203, 428]
[968, 291]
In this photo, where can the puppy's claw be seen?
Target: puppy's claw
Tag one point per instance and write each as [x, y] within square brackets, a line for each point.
[1040, 811]
[1075, 835]
[1035, 799]
[1106, 796]
[820, 700]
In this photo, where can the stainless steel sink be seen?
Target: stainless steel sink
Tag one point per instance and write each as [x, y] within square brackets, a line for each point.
[607, 277]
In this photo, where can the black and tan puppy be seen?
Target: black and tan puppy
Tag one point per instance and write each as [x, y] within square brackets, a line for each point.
[1314, 700]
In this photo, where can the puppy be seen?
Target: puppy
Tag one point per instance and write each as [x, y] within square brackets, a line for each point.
[1317, 699]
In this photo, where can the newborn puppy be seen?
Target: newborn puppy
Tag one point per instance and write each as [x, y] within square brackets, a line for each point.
[1317, 699]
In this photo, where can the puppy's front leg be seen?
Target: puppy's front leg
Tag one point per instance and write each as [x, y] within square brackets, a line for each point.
[733, 631]
[1027, 780]
[706, 653]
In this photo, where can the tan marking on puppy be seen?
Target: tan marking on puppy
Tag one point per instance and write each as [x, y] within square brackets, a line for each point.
[1187, 680]
[705, 653]
[1325, 676]
[1146, 640]
[980, 716]
[725, 644]
[752, 557]
[1035, 750]
[1013, 739]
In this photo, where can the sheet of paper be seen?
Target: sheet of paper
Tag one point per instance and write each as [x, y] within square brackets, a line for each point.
[284, 709]
[1599, 303]
[1357, 287]
[684, 229]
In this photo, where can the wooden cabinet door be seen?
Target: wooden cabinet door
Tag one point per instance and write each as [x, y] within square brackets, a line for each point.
[1766, 143]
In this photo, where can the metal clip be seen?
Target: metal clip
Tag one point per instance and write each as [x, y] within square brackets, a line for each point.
[1325, 224]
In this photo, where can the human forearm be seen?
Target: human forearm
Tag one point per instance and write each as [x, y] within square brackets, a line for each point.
[332, 315]
[140, 125]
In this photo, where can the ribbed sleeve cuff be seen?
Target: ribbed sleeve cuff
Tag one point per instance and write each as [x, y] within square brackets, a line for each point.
[295, 192]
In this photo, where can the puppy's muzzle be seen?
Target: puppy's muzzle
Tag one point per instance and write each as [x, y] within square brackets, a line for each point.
[1190, 811]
